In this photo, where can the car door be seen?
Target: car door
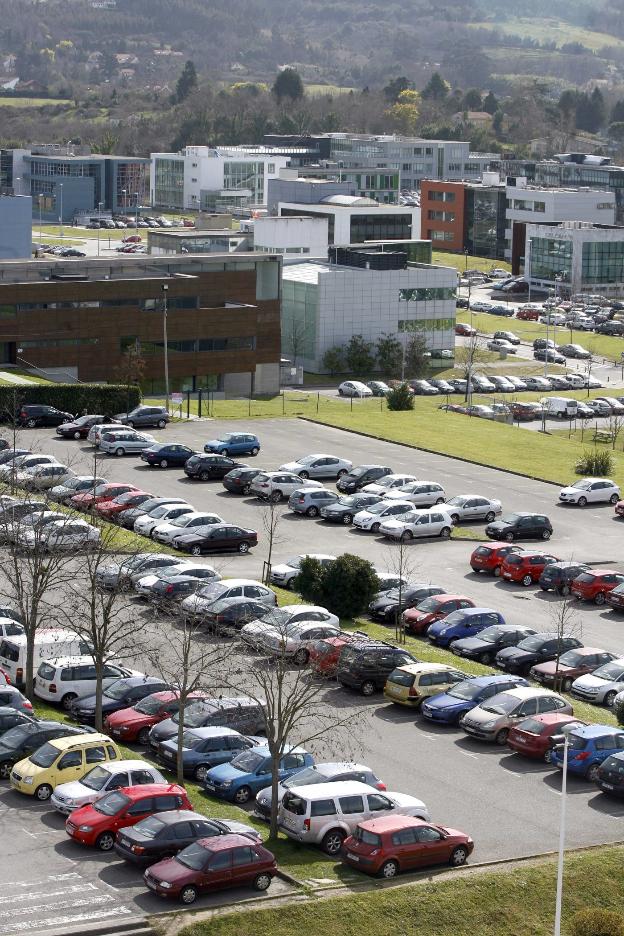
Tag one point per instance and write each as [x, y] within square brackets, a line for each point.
[421, 526]
[526, 708]
[70, 766]
[118, 780]
[218, 872]
[430, 846]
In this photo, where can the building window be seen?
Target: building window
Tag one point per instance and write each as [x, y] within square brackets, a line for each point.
[603, 262]
[427, 294]
[441, 235]
[539, 206]
[270, 168]
[430, 324]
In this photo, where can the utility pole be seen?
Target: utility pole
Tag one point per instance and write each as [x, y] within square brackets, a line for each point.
[61, 207]
[165, 289]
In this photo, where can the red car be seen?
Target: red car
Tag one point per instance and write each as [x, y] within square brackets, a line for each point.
[615, 598]
[533, 736]
[402, 843]
[103, 492]
[619, 508]
[211, 863]
[594, 584]
[324, 654]
[98, 823]
[109, 509]
[462, 328]
[526, 566]
[572, 664]
[528, 315]
[133, 724]
[417, 620]
[132, 239]
[490, 558]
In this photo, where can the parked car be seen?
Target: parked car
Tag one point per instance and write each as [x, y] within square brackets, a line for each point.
[419, 493]
[318, 466]
[231, 614]
[78, 428]
[65, 757]
[537, 383]
[209, 467]
[387, 483]
[202, 602]
[594, 584]
[610, 776]
[602, 686]
[88, 499]
[142, 416]
[166, 513]
[344, 509]
[354, 388]
[359, 477]
[501, 344]
[489, 558]
[509, 336]
[492, 720]
[63, 679]
[275, 485]
[415, 524]
[134, 723]
[520, 526]
[124, 441]
[35, 414]
[536, 735]
[11, 718]
[366, 664]
[195, 522]
[526, 567]
[241, 713]
[309, 502]
[387, 607]
[203, 748]
[175, 584]
[234, 443]
[466, 507]
[615, 598]
[43, 477]
[102, 779]
[538, 648]
[238, 480]
[449, 705]
[72, 485]
[372, 517]
[120, 694]
[318, 773]
[462, 328]
[285, 573]
[412, 683]
[111, 509]
[558, 576]
[221, 537]
[423, 388]
[167, 455]
[574, 351]
[572, 664]
[378, 387]
[280, 622]
[467, 622]
[392, 844]
[588, 747]
[526, 412]
[250, 771]
[590, 491]
[417, 618]
[27, 736]
[119, 575]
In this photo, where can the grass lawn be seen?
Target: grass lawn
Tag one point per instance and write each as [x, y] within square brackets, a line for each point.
[560, 32]
[69, 231]
[32, 102]
[458, 260]
[513, 903]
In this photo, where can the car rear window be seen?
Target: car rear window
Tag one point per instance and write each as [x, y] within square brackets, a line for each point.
[366, 837]
[532, 726]
[46, 671]
[9, 651]
[483, 551]
[401, 677]
[576, 743]
[294, 804]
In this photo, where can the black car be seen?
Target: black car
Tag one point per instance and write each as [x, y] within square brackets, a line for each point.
[172, 455]
[123, 693]
[385, 607]
[238, 481]
[611, 328]
[24, 739]
[209, 467]
[344, 509]
[558, 575]
[541, 343]
[222, 537]
[610, 777]
[232, 613]
[178, 584]
[548, 354]
[539, 648]
[487, 644]
[355, 479]
[128, 517]
[167, 833]
[7, 611]
[31, 415]
[240, 713]
[365, 665]
[461, 302]
[79, 428]
[3, 445]
[520, 526]
[11, 718]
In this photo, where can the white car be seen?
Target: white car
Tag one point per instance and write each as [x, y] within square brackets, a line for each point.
[186, 523]
[388, 483]
[519, 383]
[275, 485]
[166, 513]
[295, 641]
[43, 477]
[537, 383]
[372, 518]
[575, 381]
[196, 605]
[354, 388]
[590, 491]
[318, 466]
[101, 779]
[63, 679]
[11, 469]
[419, 493]
[432, 522]
[283, 620]
[501, 344]
[95, 432]
[284, 573]
[68, 533]
[472, 507]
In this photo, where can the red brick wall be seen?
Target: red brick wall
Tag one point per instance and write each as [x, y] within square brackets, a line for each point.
[428, 205]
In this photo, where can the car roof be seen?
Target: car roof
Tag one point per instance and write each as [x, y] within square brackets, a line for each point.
[525, 692]
[490, 680]
[597, 572]
[416, 668]
[74, 661]
[599, 731]
[223, 842]
[472, 612]
[118, 766]
[211, 732]
[329, 768]
[334, 788]
[150, 789]
[239, 581]
[392, 823]
[77, 739]
[445, 597]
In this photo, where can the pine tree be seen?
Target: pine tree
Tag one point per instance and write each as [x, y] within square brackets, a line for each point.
[186, 83]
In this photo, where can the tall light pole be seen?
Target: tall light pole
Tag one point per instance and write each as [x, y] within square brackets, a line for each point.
[123, 192]
[40, 230]
[61, 208]
[99, 223]
[136, 208]
[165, 289]
[562, 822]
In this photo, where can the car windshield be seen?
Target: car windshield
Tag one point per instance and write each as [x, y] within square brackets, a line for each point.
[117, 689]
[226, 437]
[148, 706]
[582, 485]
[160, 511]
[305, 777]
[247, 761]
[456, 501]
[306, 460]
[612, 671]
[294, 563]
[16, 736]
[465, 690]
[111, 804]
[429, 604]
[510, 518]
[195, 716]
[191, 741]
[194, 857]
[350, 500]
[276, 618]
[96, 778]
[504, 705]
[181, 521]
[101, 489]
[376, 508]
[571, 658]
[45, 756]
[531, 643]
[491, 634]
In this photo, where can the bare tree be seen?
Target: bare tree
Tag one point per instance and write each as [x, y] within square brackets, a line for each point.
[565, 624]
[467, 357]
[401, 561]
[271, 519]
[296, 338]
[616, 424]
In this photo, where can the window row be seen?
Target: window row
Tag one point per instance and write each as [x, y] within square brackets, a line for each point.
[426, 294]
[190, 345]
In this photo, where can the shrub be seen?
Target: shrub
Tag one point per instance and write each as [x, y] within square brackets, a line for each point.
[400, 398]
[597, 923]
[106, 399]
[309, 582]
[345, 586]
[618, 708]
[595, 464]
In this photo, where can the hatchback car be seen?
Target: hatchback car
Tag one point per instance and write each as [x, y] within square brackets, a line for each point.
[392, 844]
[419, 493]
[275, 485]
[325, 653]
[433, 521]
[590, 491]
[389, 482]
[354, 388]
[111, 509]
[467, 622]
[466, 507]
[176, 584]
[588, 747]
[221, 537]
[144, 416]
[270, 630]
[572, 664]
[285, 573]
[203, 748]
[536, 735]
[371, 518]
[240, 713]
[209, 467]
[124, 441]
[309, 502]
[525, 567]
[345, 508]
[366, 664]
[74, 485]
[196, 522]
[520, 526]
[34, 414]
[145, 524]
[231, 614]
[492, 720]
[615, 598]
[418, 618]
[78, 428]
[234, 443]
[379, 387]
[449, 706]
[250, 771]
[120, 694]
[63, 758]
[594, 584]
[489, 558]
[387, 606]
[539, 648]
[135, 722]
[102, 779]
[488, 642]
[558, 576]
[318, 466]
[167, 455]
[202, 602]
[27, 736]
[610, 777]
[359, 477]
[63, 679]
[412, 683]
[601, 686]
[88, 499]
[238, 481]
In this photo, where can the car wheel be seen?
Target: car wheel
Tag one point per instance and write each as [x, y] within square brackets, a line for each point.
[592, 773]
[31, 423]
[440, 500]
[312, 512]
[225, 452]
[375, 528]
[445, 533]
[301, 657]
[43, 792]
[246, 488]
[455, 518]
[196, 550]
[161, 423]
[120, 451]
[144, 736]
[67, 700]
[340, 392]
[564, 590]
[276, 497]
[406, 536]
[341, 473]
[188, 895]
[254, 451]
[5, 770]
[347, 519]
[490, 517]
[389, 869]
[582, 502]
[548, 756]
[262, 882]
[304, 475]
[566, 685]
[332, 842]
[243, 548]
[367, 688]
[609, 699]
[509, 538]
[501, 737]
[486, 658]
[201, 772]
[105, 841]
[599, 599]
[546, 534]
[204, 475]
[242, 795]
[459, 856]
[527, 580]
[164, 463]
[614, 499]
[76, 435]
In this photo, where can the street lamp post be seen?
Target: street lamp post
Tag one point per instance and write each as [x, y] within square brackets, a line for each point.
[123, 192]
[562, 822]
[40, 227]
[136, 216]
[165, 290]
[99, 223]
[61, 209]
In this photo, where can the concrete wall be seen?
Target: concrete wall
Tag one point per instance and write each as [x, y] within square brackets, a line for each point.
[15, 227]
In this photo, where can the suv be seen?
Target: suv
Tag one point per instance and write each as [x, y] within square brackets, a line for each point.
[539, 648]
[145, 416]
[31, 415]
[274, 485]
[558, 576]
[355, 479]
[588, 747]
[520, 526]
[366, 665]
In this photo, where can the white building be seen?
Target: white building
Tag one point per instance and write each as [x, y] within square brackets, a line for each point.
[291, 236]
[355, 220]
[213, 178]
[324, 304]
[575, 257]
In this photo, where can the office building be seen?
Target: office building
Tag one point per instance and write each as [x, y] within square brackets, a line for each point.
[354, 220]
[576, 257]
[15, 227]
[77, 318]
[579, 170]
[465, 216]
[292, 237]
[191, 241]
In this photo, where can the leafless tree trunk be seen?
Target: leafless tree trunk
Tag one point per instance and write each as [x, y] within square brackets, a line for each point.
[565, 623]
[400, 560]
[466, 359]
[271, 518]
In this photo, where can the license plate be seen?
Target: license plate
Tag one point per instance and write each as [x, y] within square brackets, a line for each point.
[116, 731]
[353, 857]
[521, 740]
[506, 575]
[607, 786]
[150, 883]
[209, 786]
[124, 841]
[169, 754]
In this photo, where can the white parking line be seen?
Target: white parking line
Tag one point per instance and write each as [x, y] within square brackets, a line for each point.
[78, 888]
[52, 878]
[50, 922]
[469, 754]
[58, 905]
[429, 737]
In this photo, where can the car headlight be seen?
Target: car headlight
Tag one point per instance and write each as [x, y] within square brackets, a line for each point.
[166, 884]
[28, 781]
[226, 784]
[489, 724]
[85, 828]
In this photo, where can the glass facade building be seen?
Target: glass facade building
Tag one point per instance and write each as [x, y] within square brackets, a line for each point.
[551, 257]
[169, 182]
[603, 262]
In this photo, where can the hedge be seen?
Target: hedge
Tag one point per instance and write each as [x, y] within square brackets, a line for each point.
[106, 399]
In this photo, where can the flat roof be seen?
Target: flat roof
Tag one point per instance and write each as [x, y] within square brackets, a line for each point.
[192, 234]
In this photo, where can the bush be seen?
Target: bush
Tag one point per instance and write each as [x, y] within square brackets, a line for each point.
[595, 464]
[71, 398]
[597, 923]
[400, 398]
[309, 582]
[345, 586]
[618, 708]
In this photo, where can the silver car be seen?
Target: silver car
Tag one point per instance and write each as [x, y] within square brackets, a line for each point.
[417, 524]
[601, 686]
[419, 493]
[493, 719]
[320, 773]
[472, 507]
[146, 524]
[44, 477]
[318, 466]
[309, 501]
[196, 605]
[122, 441]
[372, 518]
[274, 485]
[96, 432]
[79, 484]
[284, 573]
[193, 522]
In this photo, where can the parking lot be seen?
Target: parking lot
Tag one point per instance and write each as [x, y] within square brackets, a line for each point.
[510, 806]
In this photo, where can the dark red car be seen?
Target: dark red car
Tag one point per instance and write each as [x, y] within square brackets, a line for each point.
[572, 664]
[526, 566]
[619, 508]
[212, 863]
[324, 654]
[102, 492]
[79, 427]
[594, 584]
[490, 558]
[417, 620]
[528, 315]
[109, 509]
[98, 823]
[615, 598]
[401, 843]
[533, 737]
[133, 724]
[462, 328]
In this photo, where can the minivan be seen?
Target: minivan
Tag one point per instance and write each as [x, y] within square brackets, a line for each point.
[49, 643]
[60, 761]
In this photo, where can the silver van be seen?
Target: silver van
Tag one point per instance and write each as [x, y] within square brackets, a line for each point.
[326, 813]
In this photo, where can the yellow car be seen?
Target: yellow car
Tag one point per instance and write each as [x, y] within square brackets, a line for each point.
[411, 684]
[60, 761]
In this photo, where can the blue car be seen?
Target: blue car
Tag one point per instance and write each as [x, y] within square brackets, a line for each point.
[167, 455]
[203, 748]
[234, 443]
[466, 622]
[250, 771]
[448, 707]
[588, 746]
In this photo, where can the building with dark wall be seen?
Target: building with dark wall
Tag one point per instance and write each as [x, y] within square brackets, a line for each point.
[15, 227]
[468, 216]
[80, 316]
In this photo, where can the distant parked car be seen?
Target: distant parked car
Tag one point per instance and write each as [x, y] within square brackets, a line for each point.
[590, 491]
[168, 455]
[536, 735]
[359, 477]
[493, 719]
[34, 414]
[78, 428]
[374, 846]
[354, 388]
[234, 443]
[125, 441]
[142, 416]
[209, 467]
[448, 706]
[594, 584]
[378, 387]
[466, 507]
[220, 537]
[318, 466]
[309, 502]
[588, 747]
[572, 664]
[602, 686]
[520, 526]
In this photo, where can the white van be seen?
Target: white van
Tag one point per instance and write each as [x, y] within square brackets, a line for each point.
[559, 407]
[63, 679]
[50, 643]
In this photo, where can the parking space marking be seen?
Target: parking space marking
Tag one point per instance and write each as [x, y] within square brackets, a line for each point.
[469, 754]
[56, 922]
[78, 888]
[51, 879]
[429, 737]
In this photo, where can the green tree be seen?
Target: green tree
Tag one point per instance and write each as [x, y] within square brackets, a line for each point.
[490, 104]
[405, 112]
[616, 130]
[349, 584]
[617, 112]
[359, 356]
[186, 83]
[437, 88]
[400, 398]
[416, 357]
[394, 88]
[472, 100]
[309, 581]
[288, 84]
[389, 355]
[599, 109]
[334, 360]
